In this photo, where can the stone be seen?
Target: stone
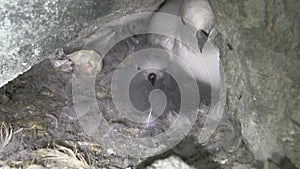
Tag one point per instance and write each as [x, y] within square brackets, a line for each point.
[259, 43]
[172, 162]
[31, 30]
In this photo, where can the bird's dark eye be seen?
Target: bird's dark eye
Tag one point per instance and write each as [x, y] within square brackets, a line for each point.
[138, 68]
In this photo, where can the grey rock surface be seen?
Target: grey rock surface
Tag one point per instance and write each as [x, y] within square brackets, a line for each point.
[172, 162]
[260, 52]
[30, 30]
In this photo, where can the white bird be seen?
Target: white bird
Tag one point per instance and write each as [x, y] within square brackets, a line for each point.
[198, 14]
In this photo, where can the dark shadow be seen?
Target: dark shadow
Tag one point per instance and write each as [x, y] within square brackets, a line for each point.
[282, 162]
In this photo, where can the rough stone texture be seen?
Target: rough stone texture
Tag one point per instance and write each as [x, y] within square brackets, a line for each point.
[172, 162]
[30, 30]
[259, 41]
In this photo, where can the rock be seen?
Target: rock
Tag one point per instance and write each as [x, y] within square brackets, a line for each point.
[260, 52]
[87, 62]
[31, 30]
[172, 162]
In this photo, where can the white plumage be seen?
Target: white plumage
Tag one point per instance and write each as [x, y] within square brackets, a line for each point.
[199, 14]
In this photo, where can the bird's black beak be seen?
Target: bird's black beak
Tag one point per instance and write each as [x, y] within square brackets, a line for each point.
[152, 78]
